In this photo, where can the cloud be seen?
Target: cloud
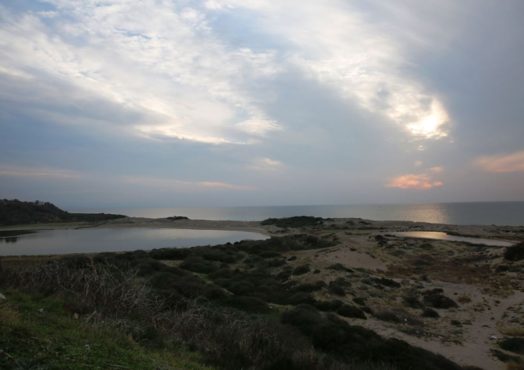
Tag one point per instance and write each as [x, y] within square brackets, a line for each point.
[436, 169]
[421, 181]
[333, 43]
[35, 173]
[182, 185]
[266, 164]
[39, 172]
[504, 163]
[257, 127]
[161, 60]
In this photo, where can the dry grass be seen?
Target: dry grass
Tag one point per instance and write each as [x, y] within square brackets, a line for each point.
[512, 331]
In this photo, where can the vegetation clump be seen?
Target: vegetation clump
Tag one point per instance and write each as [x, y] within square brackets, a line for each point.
[297, 221]
[515, 252]
[177, 218]
[354, 343]
[301, 270]
[434, 298]
[351, 311]
[15, 212]
[515, 345]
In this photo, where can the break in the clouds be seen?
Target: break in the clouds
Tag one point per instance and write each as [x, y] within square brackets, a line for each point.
[264, 102]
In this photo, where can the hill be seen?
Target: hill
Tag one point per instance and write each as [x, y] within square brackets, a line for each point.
[13, 212]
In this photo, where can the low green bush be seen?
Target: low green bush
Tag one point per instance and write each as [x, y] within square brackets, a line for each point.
[351, 311]
[513, 345]
[247, 304]
[297, 221]
[301, 270]
[435, 299]
[515, 252]
[198, 264]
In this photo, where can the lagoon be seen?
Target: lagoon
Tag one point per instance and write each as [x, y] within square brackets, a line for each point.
[437, 235]
[95, 240]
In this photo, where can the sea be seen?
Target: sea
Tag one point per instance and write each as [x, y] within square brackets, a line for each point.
[473, 213]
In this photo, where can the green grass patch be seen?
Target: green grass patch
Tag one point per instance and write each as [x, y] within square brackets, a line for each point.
[38, 333]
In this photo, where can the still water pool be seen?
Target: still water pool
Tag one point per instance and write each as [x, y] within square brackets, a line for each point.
[438, 235]
[65, 241]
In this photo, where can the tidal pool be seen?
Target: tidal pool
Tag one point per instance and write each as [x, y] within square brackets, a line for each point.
[438, 235]
[93, 240]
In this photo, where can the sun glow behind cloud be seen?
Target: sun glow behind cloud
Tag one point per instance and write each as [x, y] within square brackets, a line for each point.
[166, 63]
[334, 44]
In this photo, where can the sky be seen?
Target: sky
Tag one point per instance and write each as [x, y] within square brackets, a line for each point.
[165, 103]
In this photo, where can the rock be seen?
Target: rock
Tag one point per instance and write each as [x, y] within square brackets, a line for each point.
[2, 298]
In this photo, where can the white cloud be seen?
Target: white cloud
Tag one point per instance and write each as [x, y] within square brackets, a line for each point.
[257, 127]
[333, 43]
[182, 185]
[164, 61]
[504, 163]
[51, 173]
[266, 164]
[156, 58]
[39, 172]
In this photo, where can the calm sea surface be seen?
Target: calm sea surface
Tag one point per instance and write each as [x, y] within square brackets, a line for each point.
[498, 213]
[65, 241]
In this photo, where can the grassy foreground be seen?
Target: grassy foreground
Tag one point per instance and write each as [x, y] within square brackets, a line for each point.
[38, 333]
[239, 306]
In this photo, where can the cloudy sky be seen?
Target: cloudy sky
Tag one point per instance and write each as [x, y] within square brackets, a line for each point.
[110, 103]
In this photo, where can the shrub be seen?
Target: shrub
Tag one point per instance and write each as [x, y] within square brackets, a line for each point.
[513, 344]
[339, 267]
[353, 343]
[305, 317]
[297, 221]
[311, 287]
[247, 304]
[269, 254]
[436, 299]
[351, 311]
[301, 297]
[170, 253]
[411, 300]
[332, 305]
[428, 312]
[276, 262]
[198, 264]
[387, 315]
[386, 282]
[338, 286]
[301, 270]
[515, 252]
[241, 287]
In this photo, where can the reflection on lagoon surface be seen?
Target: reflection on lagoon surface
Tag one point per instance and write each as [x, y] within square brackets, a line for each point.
[437, 235]
[64, 241]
